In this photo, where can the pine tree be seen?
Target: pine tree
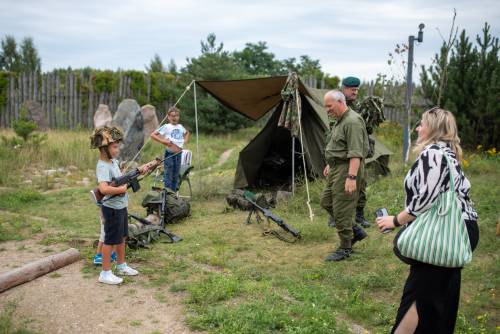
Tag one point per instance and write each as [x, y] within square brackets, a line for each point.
[156, 65]
[462, 87]
[30, 61]
[172, 67]
[488, 97]
[472, 90]
[214, 63]
[9, 57]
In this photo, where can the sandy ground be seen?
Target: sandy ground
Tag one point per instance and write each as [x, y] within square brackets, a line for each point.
[69, 302]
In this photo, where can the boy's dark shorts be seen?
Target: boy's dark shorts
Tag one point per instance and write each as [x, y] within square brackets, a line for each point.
[115, 225]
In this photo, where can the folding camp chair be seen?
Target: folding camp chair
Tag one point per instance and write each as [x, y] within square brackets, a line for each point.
[184, 171]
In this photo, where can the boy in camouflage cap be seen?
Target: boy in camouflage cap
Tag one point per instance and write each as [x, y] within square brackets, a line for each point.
[114, 205]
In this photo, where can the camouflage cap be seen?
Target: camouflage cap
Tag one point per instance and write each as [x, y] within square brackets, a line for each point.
[104, 136]
[351, 82]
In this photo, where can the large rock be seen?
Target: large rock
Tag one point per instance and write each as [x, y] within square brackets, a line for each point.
[35, 113]
[102, 116]
[150, 119]
[128, 117]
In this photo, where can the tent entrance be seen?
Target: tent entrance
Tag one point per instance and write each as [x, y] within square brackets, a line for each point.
[278, 164]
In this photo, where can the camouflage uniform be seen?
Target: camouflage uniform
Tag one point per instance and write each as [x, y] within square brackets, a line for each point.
[347, 139]
[355, 106]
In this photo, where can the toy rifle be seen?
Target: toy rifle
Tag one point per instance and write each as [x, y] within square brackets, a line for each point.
[257, 209]
[158, 229]
[131, 179]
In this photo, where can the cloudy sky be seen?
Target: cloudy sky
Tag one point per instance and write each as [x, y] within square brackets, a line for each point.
[349, 37]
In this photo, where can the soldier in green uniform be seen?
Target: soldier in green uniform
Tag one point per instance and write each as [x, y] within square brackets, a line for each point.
[345, 153]
[350, 87]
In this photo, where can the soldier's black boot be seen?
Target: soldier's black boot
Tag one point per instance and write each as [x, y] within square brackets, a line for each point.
[331, 222]
[339, 255]
[360, 218]
[359, 234]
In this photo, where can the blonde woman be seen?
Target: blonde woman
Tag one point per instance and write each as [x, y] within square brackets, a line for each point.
[431, 294]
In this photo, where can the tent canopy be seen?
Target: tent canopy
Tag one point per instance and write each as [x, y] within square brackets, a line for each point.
[252, 98]
[267, 159]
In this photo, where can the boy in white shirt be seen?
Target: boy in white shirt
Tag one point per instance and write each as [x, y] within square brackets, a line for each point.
[173, 135]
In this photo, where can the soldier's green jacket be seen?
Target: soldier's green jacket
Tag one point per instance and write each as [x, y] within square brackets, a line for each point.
[347, 139]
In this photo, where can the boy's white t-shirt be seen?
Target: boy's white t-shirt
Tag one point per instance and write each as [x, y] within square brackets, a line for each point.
[175, 133]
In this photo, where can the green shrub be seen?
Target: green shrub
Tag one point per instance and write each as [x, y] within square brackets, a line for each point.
[24, 128]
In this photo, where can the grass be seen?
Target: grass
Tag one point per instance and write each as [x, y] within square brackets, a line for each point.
[233, 279]
[7, 323]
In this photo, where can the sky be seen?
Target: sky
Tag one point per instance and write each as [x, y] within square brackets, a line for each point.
[348, 37]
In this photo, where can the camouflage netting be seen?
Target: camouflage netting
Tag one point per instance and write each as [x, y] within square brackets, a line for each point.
[372, 111]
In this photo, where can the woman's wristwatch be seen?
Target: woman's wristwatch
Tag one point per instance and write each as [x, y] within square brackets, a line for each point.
[395, 221]
[351, 177]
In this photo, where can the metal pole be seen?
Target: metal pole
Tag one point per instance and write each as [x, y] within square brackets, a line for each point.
[409, 92]
[293, 165]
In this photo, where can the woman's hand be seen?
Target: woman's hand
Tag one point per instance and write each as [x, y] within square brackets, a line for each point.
[384, 223]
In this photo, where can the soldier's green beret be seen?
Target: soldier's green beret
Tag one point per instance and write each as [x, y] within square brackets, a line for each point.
[351, 82]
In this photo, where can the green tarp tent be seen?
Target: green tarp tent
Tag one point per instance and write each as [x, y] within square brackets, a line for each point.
[267, 159]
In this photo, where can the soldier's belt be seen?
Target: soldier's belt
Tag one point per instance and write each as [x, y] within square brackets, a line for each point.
[332, 162]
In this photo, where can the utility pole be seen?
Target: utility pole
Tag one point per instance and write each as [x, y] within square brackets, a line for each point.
[409, 91]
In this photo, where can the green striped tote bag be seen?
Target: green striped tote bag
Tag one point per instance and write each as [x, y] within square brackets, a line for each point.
[439, 235]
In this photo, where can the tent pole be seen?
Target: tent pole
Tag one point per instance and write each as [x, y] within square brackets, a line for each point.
[299, 114]
[196, 126]
[293, 166]
[188, 87]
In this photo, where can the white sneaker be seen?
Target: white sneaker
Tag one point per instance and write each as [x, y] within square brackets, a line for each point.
[110, 279]
[127, 271]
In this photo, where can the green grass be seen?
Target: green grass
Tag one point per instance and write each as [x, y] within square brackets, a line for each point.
[8, 324]
[235, 280]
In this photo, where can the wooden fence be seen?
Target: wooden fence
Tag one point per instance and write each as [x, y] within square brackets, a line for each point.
[70, 100]
[67, 101]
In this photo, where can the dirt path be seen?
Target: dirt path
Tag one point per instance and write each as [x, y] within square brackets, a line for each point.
[223, 157]
[68, 302]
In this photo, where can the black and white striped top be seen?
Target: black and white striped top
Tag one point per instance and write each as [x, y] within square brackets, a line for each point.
[429, 176]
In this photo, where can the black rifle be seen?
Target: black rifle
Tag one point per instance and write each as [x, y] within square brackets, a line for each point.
[256, 208]
[131, 179]
[160, 229]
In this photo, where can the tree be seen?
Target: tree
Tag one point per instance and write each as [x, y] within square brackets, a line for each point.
[30, 61]
[309, 69]
[487, 106]
[289, 65]
[472, 88]
[156, 65]
[172, 67]
[256, 60]
[462, 76]
[214, 63]
[9, 57]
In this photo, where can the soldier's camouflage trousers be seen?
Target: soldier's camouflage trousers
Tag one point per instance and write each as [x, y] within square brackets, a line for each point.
[338, 203]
